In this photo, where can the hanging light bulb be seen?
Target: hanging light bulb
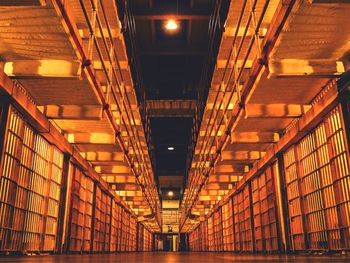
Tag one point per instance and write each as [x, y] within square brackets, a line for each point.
[171, 25]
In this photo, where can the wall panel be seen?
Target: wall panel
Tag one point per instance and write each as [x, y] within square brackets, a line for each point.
[264, 211]
[132, 234]
[203, 239]
[211, 242]
[218, 233]
[227, 221]
[242, 217]
[101, 222]
[140, 237]
[317, 175]
[194, 239]
[147, 240]
[114, 226]
[81, 212]
[30, 186]
[31, 177]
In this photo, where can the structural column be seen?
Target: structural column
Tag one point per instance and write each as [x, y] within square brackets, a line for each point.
[4, 106]
[344, 85]
[65, 203]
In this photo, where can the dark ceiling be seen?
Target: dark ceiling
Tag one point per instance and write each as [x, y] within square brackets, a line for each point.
[171, 65]
[171, 132]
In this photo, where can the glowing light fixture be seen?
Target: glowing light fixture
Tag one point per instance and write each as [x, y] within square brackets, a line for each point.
[171, 25]
[171, 193]
[171, 148]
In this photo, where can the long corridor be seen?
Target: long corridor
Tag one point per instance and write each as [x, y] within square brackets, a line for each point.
[174, 131]
[172, 257]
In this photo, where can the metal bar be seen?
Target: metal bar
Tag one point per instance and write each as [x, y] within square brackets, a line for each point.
[121, 91]
[282, 204]
[4, 111]
[92, 237]
[272, 34]
[237, 77]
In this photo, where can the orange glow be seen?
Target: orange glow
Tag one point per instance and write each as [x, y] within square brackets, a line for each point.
[171, 25]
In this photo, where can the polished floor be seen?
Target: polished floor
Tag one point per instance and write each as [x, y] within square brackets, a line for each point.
[169, 257]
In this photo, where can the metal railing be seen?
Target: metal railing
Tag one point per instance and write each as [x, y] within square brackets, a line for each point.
[226, 94]
[129, 32]
[215, 31]
[116, 94]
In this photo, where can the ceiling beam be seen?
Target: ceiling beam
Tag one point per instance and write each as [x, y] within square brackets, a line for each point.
[171, 104]
[224, 169]
[275, 110]
[118, 178]
[246, 137]
[173, 50]
[228, 178]
[85, 112]
[128, 187]
[218, 186]
[158, 14]
[42, 68]
[133, 202]
[23, 3]
[133, 198]
[208, 192]
[113, 169]
[254, 137]
[106, 163]
[103, 156]
[301, 67]
[91, 138]
[209, 198]
[127, 193]
[182, 113]
[98, 147]
[242, 156]
[139, 207]
[114, 164]
[171, 108]
[201, 206]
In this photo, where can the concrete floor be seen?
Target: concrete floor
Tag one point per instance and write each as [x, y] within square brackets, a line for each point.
[168, 257]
